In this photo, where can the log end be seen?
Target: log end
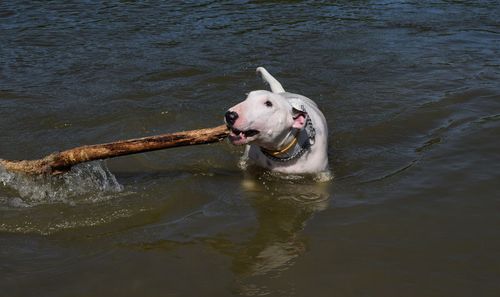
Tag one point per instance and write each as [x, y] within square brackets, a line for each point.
[30, 167]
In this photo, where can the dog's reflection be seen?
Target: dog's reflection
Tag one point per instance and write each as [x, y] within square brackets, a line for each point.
[282, 206]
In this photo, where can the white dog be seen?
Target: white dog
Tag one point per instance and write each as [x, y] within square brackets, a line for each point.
[284, 132]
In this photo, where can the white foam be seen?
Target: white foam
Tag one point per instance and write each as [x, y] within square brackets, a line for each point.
[88, 182]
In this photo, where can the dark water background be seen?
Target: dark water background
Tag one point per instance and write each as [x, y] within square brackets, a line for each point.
[412, 96]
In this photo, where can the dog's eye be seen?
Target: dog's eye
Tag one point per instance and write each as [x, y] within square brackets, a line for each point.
[268, 103]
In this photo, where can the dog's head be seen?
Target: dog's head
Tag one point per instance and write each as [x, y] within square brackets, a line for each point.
[264, 118]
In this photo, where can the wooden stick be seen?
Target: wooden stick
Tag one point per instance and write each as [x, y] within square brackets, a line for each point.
[61, 162]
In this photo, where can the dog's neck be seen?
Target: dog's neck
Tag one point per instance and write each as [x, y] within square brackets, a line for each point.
[295, 143]
[287, 144]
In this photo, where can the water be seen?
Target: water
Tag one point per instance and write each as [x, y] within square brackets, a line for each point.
[411, 94]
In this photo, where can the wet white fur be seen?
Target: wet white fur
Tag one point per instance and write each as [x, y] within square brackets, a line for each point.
[276, 128]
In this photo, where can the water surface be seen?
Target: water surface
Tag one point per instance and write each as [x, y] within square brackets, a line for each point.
[411, 94]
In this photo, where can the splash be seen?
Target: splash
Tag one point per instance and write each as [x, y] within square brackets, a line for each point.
[88, 182]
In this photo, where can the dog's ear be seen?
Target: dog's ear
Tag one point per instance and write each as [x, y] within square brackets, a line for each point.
[299, 113]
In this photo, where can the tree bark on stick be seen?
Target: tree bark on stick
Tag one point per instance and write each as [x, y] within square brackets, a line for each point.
[61, 162]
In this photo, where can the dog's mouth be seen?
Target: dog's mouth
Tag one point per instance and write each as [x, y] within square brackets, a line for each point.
[239, 137]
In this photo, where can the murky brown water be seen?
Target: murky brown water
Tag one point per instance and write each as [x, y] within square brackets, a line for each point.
[412, 96]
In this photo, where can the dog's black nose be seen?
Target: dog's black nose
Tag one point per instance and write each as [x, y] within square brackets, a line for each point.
[231, 117]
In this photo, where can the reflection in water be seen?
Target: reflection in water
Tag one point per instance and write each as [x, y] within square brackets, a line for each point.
[264, 245]
[282, 209]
